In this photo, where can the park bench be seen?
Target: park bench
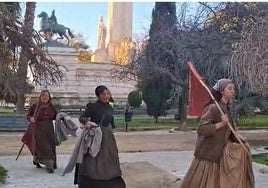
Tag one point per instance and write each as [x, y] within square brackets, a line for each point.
[13, 123]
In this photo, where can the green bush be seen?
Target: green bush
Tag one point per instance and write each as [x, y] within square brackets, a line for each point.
[3, 174]
[134, 99]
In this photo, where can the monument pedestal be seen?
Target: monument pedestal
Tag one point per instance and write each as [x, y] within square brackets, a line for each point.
[81, 78]
[100, 55]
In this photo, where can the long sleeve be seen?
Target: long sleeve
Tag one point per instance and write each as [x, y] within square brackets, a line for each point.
[31, 112]
[112, 122]
[55, 112]
[207, 122]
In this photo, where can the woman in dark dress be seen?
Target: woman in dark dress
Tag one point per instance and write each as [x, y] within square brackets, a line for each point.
[102, 171]
[41, 116]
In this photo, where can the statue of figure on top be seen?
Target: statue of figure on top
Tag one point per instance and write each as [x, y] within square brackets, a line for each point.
[53, 18]
[50, 26]
[101, 34]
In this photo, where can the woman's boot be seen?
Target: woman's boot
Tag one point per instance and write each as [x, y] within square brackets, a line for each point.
[37, 164]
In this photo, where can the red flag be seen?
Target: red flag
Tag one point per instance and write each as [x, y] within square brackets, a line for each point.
[198, 95]
[29, 135]
[29, 138]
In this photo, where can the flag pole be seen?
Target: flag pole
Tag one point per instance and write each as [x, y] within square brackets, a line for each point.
[219, 108]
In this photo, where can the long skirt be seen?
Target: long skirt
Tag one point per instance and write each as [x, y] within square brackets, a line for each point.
[45, 148]
[233, 171]
[86, 182]
[104, 169]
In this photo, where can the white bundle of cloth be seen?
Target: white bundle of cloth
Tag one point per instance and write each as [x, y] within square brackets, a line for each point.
[89, 140]
[64, 126]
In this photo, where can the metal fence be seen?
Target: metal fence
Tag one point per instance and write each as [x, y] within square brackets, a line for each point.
[13, 123]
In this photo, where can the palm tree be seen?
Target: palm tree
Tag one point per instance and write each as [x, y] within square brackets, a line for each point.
[21, 48]
[9, 29]
[27, 34]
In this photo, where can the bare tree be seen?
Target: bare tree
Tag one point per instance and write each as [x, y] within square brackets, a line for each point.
[206, 36]
[127, 60]
[249, 62]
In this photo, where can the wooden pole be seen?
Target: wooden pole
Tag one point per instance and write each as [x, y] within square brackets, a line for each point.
[20, 151]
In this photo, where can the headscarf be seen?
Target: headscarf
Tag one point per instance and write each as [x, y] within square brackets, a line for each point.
[100, 89]
[221, 84]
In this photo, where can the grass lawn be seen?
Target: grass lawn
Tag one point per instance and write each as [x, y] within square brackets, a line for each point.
[149, 122]
[6, 111]
[3, 174]
[262, 159]
[257, 121]
[192, 123]
[139, 121]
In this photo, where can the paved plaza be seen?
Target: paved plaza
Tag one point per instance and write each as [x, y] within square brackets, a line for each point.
[144, 169]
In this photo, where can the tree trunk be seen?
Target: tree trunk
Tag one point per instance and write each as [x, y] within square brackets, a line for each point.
[183, 109]
[21, 87]
[24, 58]
[183, 100]
[156, 119]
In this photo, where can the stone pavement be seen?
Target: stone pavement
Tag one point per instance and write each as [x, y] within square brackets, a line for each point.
[170, 165]
[164, 158]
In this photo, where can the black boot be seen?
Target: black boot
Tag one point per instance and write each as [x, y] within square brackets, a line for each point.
[50, 170]
[55, 166]
[37, 164]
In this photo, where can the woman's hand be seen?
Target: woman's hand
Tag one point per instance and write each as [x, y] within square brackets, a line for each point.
[225, 119]
[32, 120]
[224, 122]
[89, 125]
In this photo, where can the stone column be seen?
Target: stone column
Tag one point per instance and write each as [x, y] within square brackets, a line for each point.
[119, 25]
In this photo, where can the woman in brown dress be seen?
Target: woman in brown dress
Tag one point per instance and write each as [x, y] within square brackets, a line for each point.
[220, 161]
[41, 116]
[103, 170]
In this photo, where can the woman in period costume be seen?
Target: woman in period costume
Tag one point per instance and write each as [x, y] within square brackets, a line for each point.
[41, 116]
[220, 161]
[103, 170]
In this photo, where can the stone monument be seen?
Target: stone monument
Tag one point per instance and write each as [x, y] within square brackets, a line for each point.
[120, 25]
[81, 78]
[119, 28]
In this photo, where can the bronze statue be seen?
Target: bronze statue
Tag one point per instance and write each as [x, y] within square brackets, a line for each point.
[53, 18]
[50, 25]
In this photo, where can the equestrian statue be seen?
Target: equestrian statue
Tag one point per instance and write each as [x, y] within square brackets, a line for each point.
[50, 26]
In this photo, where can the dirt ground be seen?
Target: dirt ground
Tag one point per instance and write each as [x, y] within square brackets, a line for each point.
[161, 140]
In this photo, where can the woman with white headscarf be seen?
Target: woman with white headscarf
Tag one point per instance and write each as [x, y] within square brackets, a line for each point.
[220, 161]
